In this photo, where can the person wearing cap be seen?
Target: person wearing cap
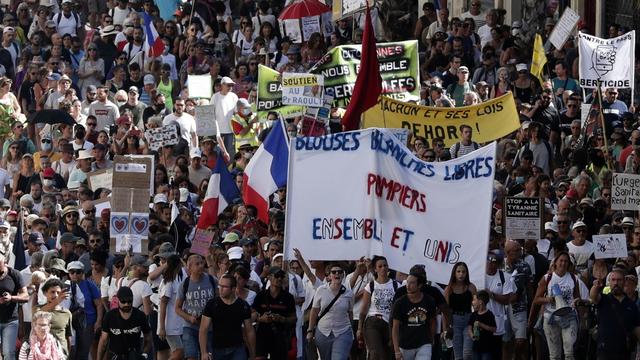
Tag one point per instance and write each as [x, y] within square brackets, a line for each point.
[274, 310]
[185, 122]
[546, 244]
[193, 294]
[242, 123]
[66, 164]
[103, 109]
[79, 174]
[580, 249]
[462, 86]
[137, 282]
[63, 84]
[122, 329]
[197, 172]
[93, 308]
[67, 21]
[501, 292]
[135, 106]
[148, 89]
[225, 102]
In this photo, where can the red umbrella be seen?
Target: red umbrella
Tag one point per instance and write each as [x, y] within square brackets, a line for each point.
[303, 8]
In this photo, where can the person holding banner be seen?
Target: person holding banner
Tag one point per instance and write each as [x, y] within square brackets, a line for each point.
[330, 317]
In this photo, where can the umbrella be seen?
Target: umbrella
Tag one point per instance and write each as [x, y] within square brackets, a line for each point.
[303, 8]
[54, 117]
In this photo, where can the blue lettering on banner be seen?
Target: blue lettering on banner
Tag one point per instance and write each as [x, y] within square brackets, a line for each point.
[474, 168]
[348, 141]
[397, 151]
[400, 234]
[346, 229]
[442, 251]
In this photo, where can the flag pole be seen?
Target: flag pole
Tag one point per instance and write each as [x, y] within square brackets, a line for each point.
[604, 129]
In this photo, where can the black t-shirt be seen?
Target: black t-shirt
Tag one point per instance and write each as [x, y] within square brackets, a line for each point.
[546, 116]
[434, 293]
[415, 321]
[12, 283]
[616, 321]
[564, 123]
[486, 342]
[226, 321]
[124, 335]
[283, 304]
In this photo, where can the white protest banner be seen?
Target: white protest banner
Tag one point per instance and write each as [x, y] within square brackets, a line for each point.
[100, 179]
[327, 24]
[523, 218]
[362, 193]
[291, 28]
[302, 89]
[351, 6]
[607, 62]
[310, 25]
[610, 246]
[200, 86]
[206, 120]
[159, 137]
[563, 29]
[625, 192]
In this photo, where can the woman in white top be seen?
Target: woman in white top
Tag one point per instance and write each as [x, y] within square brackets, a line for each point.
[332, 314]
[376, 309]
[169, 323]
[556, 291]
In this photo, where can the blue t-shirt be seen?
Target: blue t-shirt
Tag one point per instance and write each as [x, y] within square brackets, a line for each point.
[90, 292]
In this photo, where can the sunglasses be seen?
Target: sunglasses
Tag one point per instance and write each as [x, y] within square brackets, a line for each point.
[563, 222]
[90, 211]
[72, 215]
[75, 271]
[125, 301]
[279, 276]
[581, 230]
[91, 124]
[45, 141]
[336, 272]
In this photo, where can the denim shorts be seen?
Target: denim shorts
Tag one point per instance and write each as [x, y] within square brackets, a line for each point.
[175, 342]
[190, 342]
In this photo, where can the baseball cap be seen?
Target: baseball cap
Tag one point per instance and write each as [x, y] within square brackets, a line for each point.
[75, 265]
[463, 69]
[134, 89]
[48, 173]
[125, 294]
[235, 253]
[140, 260]
[230, 238]
[195, 153]
[160, 199]
[227, 81]
[36, 238]
[149, 79]
[521, 67]
[578, 224]
[274, 270]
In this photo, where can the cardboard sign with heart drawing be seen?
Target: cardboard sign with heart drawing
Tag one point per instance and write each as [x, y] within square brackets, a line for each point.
[129, 225]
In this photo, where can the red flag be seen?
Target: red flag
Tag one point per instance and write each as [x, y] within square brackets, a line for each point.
[368, 83]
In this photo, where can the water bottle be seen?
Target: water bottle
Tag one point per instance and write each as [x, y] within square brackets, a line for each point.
[476, 331]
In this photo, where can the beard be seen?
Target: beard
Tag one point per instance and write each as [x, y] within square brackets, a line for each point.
[126, 309]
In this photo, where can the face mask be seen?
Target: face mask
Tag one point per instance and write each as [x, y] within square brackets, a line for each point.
[120, 103]
[47, 182]
[46, 147]
[292, 134]
[246, 112]
[520, 180]
[247, 155]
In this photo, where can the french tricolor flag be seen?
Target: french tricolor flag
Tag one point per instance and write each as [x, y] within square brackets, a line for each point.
[266, 171]
[153, 44]
[221, 192]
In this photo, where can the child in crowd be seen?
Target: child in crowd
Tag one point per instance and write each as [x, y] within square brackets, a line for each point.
[482, 325]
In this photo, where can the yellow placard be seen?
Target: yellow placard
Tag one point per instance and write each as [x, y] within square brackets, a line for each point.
[490, 120]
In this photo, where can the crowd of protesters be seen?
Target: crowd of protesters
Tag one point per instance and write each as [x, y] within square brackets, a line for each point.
[76, 298]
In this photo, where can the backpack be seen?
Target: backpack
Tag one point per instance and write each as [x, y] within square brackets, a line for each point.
[394, 283]
[456, 148]
[75, 17]
[185, 285]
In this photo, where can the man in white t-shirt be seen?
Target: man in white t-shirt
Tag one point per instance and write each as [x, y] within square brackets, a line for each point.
[580, 249]
[262, 16]
[185, 122]
[484, 31]
[475, 12]
[224, 102]
[501, 291]
[67, 21]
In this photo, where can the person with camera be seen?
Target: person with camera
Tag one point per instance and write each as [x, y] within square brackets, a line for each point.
[274, 311]
[56, 292]
[122, 329]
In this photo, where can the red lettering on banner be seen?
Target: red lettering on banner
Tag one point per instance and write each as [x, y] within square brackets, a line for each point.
[385, 188]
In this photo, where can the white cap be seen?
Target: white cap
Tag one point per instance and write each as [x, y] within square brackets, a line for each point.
[550, 226]
[578, 224]
[160, 198]
[235, 253]
[521, 67]
[184, 194]
[75, 265]
[84, 154]
[5, 224]
[149, 80]
[627, 221]
[195, 153]
[227, 80]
